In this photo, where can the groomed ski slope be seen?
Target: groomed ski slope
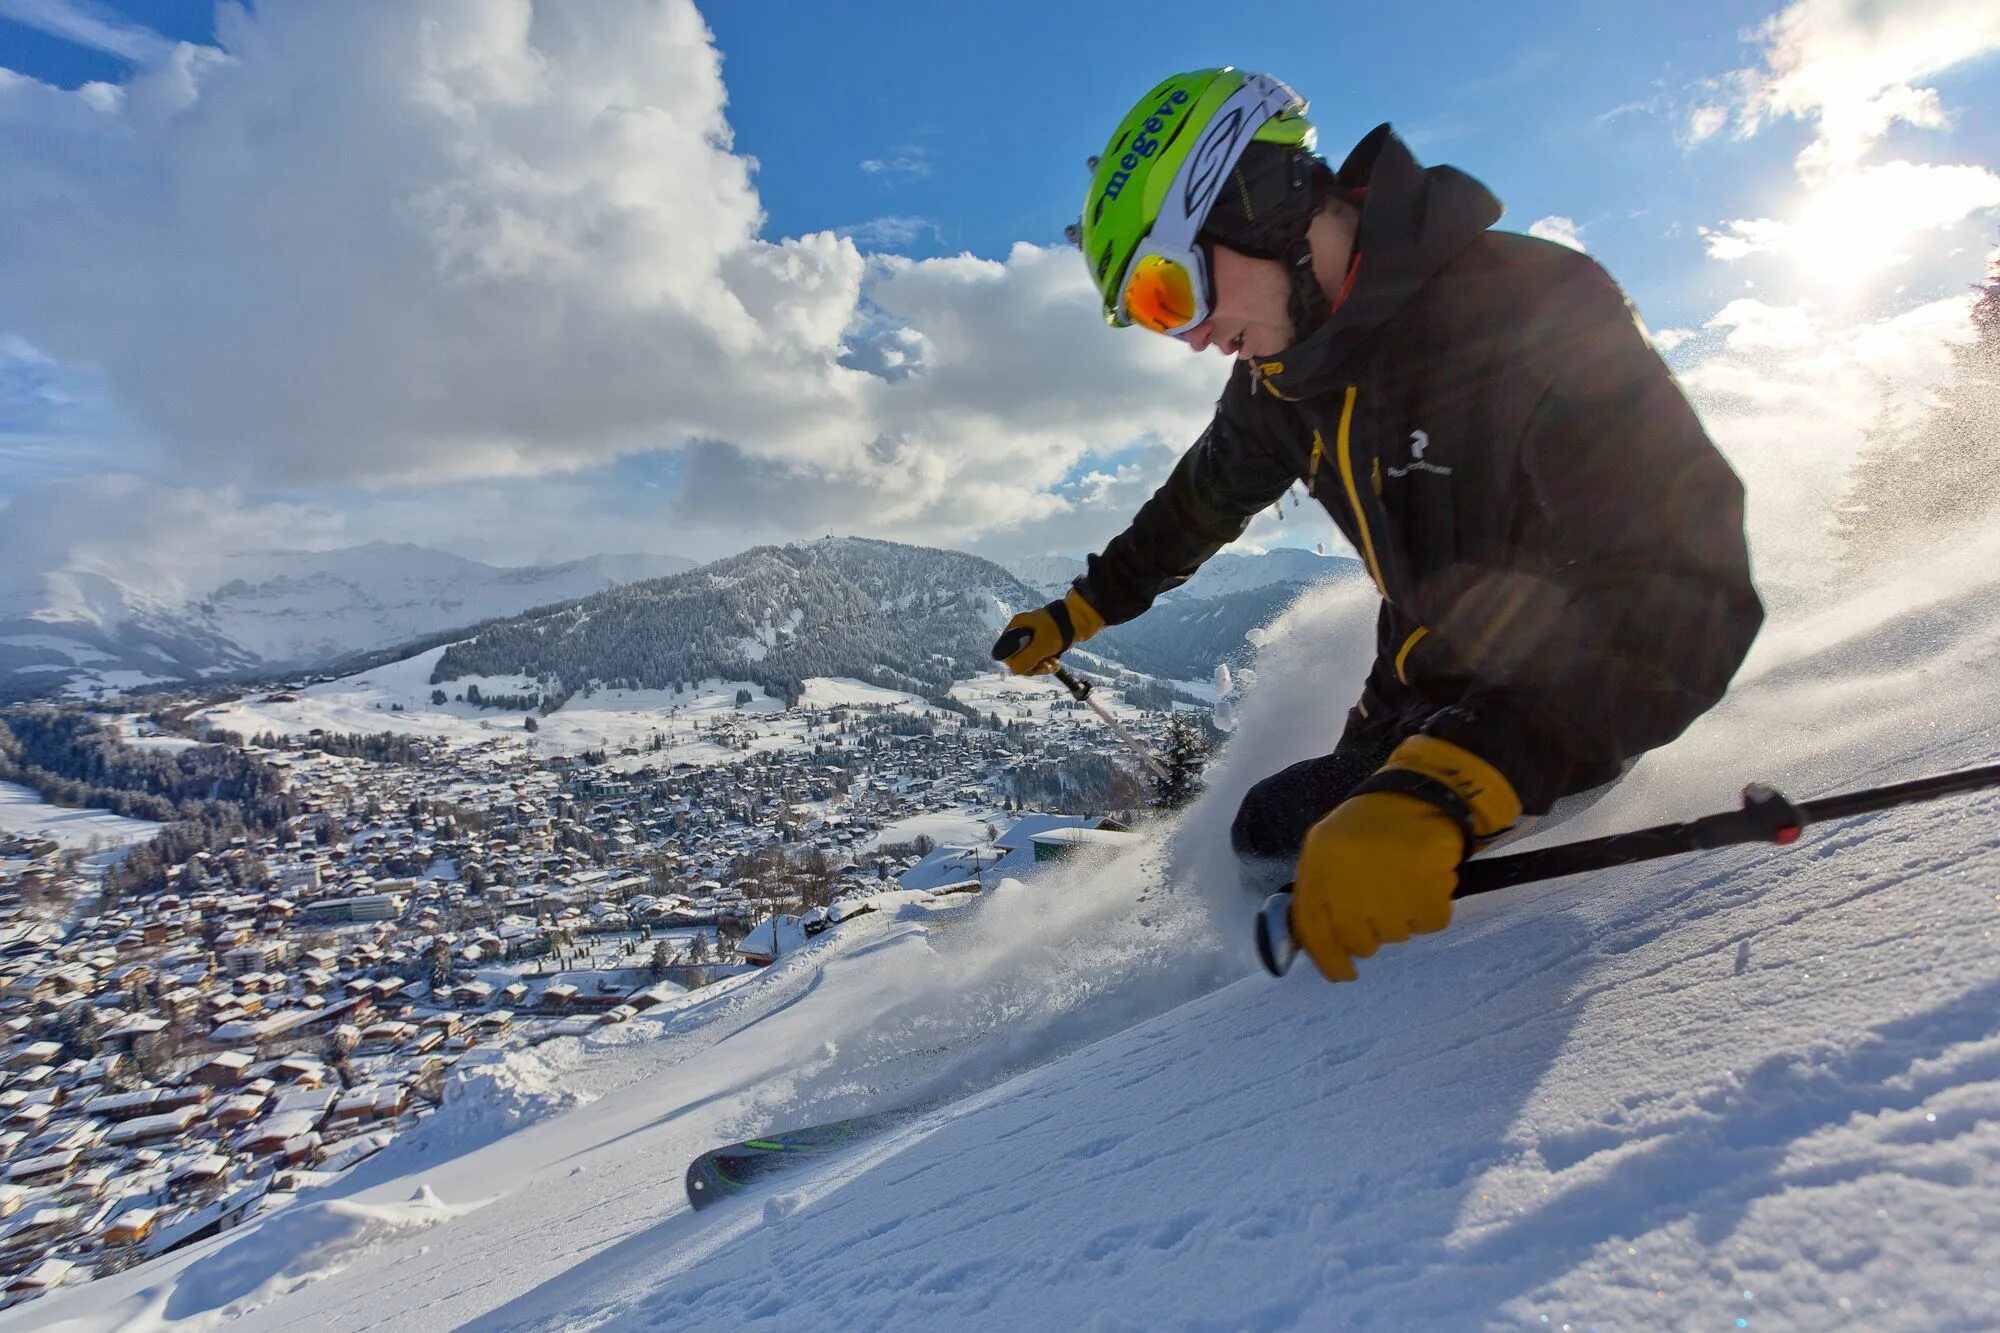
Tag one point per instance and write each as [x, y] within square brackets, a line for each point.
[1746, 1089]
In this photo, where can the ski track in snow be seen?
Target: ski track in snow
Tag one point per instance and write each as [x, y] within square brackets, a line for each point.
[1747, 1088]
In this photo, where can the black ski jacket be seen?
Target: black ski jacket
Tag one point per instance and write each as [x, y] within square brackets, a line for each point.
[1558, 545]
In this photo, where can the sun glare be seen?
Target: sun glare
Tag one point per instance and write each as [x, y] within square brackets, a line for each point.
[1858, 224]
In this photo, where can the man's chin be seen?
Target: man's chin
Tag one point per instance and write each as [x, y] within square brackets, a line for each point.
[1273, 345]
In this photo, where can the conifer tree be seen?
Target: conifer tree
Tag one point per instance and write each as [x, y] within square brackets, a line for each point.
[1186, 755]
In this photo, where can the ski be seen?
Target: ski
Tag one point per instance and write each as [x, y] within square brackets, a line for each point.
[724, 1172]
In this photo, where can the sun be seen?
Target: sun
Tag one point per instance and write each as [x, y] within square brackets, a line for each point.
[1849, 229]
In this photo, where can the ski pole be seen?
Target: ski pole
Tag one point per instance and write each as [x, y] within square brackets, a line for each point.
[1081, 690]
[1766, 816]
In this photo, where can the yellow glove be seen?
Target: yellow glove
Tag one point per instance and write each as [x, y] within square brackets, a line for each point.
[1034, 639]
[1384, 864]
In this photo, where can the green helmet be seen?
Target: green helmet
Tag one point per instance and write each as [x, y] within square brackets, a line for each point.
[1164, 166]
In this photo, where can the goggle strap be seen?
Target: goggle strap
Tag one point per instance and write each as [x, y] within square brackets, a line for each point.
[1215, 154]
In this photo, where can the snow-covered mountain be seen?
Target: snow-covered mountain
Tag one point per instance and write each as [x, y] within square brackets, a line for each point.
[1207, 620]
[1224, 574]
[79, 626]
[1752, 1087]
[906, 617]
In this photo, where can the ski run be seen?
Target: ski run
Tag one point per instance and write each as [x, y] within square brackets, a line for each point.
[1748, 1088]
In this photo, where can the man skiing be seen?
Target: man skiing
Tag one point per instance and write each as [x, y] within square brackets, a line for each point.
[1558, 545]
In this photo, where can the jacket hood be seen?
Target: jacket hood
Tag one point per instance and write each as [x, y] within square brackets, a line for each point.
[1414, 221]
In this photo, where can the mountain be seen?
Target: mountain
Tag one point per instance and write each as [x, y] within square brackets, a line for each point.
[1185, 638]
[1227, 573]
[909, 617]
[76, 626]
[762, 615]
[1223, 574]
[1207, 620]
[1046, 574]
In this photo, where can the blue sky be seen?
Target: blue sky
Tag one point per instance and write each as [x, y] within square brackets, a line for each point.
[1699, 150]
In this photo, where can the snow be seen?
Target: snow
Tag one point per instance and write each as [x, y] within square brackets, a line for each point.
[23, 811]
[956, 827]
[691, 725]
[773, 937]
[305, 1243]
[134, 730]
[1751, 1087]
[703, 725]
[227, 608]
[489, 1094]
[79, 654]
[834, 691]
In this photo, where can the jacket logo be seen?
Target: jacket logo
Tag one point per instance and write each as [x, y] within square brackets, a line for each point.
[1420, 440]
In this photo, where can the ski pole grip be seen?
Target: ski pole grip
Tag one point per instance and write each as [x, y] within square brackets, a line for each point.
[1276, 949]
[1011, 642]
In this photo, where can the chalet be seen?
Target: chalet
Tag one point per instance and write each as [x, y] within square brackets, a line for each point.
[34, 1053]
[131, 1030]
[225, 1070]
[34, 989]
[379, 1038]
[44, 1275]
[169, 1127]
[299, 1071]
[101, 1069]
[29, 1116]
[31, 1229]
[238, 1110]
[427, 1039]
[87, 1185]
[369, 1102]
[447, 1021]
[131, 1227]
[40, 1172]
[472, 994]
[292, 1117]
[204, 1177]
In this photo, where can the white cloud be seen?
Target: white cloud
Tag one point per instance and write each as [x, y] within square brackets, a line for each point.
[1743, 237]
[896, 229]
[1861, 219]
[93, 25]
[1851, 67]
[1756, 326]
[913, 162]
[372, 243]
[1559, 229]
[1704, 122]
[167, 541]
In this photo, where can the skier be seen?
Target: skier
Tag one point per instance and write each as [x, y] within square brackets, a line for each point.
[1558, 546]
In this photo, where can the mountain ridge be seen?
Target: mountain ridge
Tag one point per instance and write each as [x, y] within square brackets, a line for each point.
[78, 628]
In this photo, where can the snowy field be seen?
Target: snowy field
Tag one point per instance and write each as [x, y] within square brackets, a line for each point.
[136, 732]
[1750, 1088]
[105, 835]
[703, 725]
[956, 827]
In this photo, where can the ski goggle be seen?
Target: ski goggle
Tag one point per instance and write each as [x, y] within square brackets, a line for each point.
[1166, 288]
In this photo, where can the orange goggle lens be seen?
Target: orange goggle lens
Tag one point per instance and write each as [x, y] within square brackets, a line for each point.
[1160, 294]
